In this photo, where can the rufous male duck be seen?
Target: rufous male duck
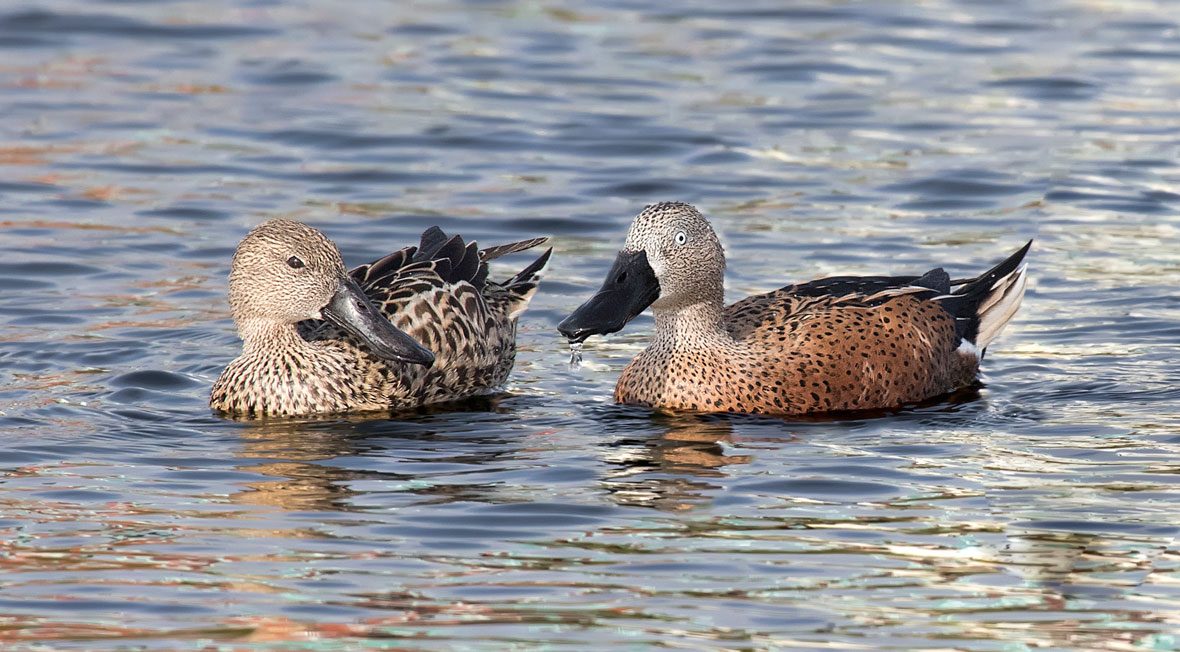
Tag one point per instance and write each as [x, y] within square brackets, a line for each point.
[837, 344]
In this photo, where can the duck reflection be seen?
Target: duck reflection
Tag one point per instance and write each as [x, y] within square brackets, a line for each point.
[670, 466]
[289, 452]
[308, 457]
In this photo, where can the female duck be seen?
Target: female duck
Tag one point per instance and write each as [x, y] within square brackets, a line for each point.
[835, 344]
[421, 325]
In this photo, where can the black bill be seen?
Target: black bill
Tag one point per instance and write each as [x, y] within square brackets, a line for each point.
[351, 310]
[630, 287]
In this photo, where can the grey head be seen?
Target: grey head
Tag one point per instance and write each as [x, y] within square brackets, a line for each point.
[671, 259]
[284, 272]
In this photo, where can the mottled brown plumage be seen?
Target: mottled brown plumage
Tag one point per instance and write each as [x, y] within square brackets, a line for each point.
[297, 359]
[838, 344]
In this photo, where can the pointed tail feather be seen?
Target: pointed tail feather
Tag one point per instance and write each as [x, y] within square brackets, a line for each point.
[995, 313]
[985, 304]
[521, 287]
[1005, 267]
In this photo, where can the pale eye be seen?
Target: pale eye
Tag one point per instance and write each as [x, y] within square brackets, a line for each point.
[681, 237]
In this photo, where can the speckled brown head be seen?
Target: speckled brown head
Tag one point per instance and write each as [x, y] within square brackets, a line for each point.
[284, 272]
[671, 259]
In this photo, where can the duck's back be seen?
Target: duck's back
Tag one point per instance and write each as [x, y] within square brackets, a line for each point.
[439, 294]
[851, 343]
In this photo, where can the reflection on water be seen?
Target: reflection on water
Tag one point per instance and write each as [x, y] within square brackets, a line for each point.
[288, 453]
[142, 140]
[670, 469]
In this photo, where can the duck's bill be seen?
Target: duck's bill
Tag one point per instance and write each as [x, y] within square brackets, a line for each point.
[351, 310]
[630, 287]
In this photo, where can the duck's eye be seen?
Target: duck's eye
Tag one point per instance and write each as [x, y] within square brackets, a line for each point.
[295, 262]
[681, 237]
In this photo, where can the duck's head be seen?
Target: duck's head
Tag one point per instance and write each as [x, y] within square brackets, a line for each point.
[284, 272]
[671, 259]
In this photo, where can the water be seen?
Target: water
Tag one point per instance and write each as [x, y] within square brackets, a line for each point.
[141, 140]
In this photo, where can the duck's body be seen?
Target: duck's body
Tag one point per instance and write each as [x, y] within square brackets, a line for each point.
[436, 293]
[797, 351]
[838, 344]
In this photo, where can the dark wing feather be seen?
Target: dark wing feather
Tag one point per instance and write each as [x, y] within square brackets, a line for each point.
[432, 239]
[448, 259]
[936, 279]
[480, 279]
[837, 286]
[469, 264]
[442, 268]
[375, 272]
[452, 249]
[492, 253]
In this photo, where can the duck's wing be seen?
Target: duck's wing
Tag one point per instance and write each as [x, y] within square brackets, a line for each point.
[441, 286]
[980, 307]
[437, 260]
[850, 286]
[793, 301]
[463, 261]
[434, 293]
[425, 288]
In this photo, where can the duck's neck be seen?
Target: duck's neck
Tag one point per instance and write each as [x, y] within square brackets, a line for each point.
[267, 337]
[697, 324]
[280, 373]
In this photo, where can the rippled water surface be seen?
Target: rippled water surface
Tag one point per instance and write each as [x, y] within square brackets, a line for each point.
[140, 140]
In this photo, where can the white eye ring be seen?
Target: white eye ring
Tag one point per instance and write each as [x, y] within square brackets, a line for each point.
[681, 237]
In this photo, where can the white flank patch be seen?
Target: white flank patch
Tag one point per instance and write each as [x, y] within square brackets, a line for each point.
[967, 348]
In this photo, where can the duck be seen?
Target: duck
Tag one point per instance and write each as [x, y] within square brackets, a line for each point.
[421, 325]
[839, 344]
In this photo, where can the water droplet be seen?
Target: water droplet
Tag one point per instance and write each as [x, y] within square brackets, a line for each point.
[575, 355]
